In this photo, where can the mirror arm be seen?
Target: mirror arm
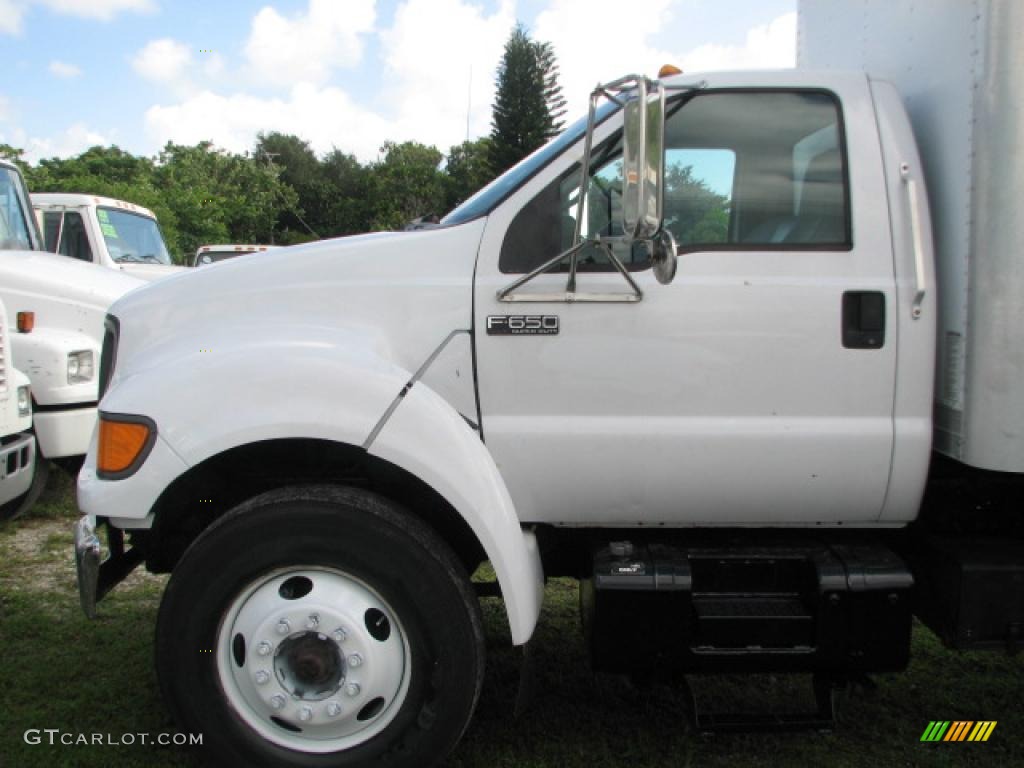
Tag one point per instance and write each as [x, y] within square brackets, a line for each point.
[622, 269]
[504, 293]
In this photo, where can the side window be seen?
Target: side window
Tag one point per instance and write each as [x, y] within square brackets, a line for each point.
[757, 169]
[51, 229]
[74, 241]
[743, 170]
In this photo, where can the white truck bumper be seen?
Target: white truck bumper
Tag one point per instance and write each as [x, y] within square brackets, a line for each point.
[17, 465]
[64, 432]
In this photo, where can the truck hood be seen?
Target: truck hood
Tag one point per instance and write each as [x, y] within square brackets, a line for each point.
[150, 272]
[64, 293]
[403, 293]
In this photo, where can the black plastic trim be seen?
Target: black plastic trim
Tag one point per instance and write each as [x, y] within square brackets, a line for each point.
[131, 469]
[36, 408]
[108, 353]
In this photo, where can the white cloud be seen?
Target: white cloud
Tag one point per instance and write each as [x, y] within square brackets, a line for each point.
[587, 37]
[767, 46]
[163, 61]
[63, 69]
[73, 140]
[12, 12]
[308, 46]
[427, 54]
[431, 80]
[325, 117]
[104, 10]
[424, 98]
[11, 15]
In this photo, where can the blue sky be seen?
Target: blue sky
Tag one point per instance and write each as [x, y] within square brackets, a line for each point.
[340, 73]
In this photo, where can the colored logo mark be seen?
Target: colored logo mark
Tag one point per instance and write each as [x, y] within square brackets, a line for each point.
[958, 730]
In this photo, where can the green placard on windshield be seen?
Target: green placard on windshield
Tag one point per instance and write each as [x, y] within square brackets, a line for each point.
[102, 215]
[108, 229]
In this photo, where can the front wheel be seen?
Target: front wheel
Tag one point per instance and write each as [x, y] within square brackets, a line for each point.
[321, 626]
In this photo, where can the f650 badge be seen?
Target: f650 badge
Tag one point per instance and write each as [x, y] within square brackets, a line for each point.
[522, 325]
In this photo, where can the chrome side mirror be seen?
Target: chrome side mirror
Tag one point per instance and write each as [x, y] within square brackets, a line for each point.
[643, 160]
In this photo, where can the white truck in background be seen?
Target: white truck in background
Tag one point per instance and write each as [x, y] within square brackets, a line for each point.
[112, 233]
[211, 254]
[684, 353]
[17, 447]
[56, 308]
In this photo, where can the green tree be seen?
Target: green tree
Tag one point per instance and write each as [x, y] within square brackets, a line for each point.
[695, 212]
[553, 98]
[218, 196]
[346, 207]
[405, 185]
[301, 170]
[468, 169]
[521, 121]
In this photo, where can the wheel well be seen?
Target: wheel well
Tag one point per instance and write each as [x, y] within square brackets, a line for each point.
[208, 490]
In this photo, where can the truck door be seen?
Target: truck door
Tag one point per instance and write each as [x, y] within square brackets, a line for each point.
[755, 389]
[64, 232]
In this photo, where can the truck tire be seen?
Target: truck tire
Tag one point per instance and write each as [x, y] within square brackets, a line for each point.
[321, 626]
[17, 507]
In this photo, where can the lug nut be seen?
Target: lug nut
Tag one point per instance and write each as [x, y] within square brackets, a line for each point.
[313, 621]
[355, 660]
[352, 689]
[277, 701]
[340, 634]
[333, 708]
[283, 627]
[264, 648]
[305, 714]
[262, 677]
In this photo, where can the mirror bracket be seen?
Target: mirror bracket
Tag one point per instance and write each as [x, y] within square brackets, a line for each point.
[636, 89]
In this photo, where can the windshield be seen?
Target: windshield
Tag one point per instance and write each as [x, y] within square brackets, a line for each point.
[131, 238]
[484, 201]
[14, 227]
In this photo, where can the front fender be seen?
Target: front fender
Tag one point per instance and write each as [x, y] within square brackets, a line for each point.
[429, 439]
[212, 393]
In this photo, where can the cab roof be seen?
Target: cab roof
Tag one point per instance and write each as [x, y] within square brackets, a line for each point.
[79, 200]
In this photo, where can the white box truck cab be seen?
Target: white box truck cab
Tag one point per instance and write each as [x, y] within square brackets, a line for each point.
[17, 447]
[685, 353]
[56, 307]
[105, 231]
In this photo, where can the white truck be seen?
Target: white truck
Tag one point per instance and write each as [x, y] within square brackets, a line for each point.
[211, 254]
[113, 233]
[56, 307]
[17, 448]
[684, 353]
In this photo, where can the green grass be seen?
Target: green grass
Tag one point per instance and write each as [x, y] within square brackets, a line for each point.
[62, 671]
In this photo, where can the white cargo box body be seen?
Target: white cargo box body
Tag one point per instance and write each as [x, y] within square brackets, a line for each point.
[959, 65]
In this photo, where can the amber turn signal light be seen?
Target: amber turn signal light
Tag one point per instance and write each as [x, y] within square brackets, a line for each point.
[667, 70]
[26, 322]
[122, 444]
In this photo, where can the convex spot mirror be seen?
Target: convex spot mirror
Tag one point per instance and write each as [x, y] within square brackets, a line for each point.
[663, 257]
[643, 158]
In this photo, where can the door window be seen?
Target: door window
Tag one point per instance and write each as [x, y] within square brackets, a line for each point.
[74, 240]
[752, 170]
